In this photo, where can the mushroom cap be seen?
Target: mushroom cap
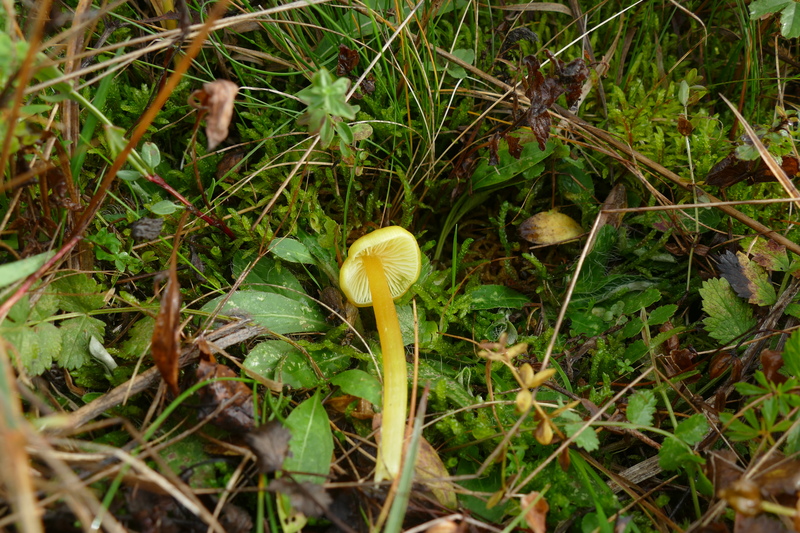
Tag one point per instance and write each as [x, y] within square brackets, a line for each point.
[401, 258]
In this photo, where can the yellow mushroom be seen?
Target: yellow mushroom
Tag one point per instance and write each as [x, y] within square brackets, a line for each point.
[380, 267]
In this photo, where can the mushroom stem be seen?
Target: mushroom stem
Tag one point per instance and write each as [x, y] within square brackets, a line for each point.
[395, 389]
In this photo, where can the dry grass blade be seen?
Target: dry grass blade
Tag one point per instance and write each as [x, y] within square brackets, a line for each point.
[14, 470]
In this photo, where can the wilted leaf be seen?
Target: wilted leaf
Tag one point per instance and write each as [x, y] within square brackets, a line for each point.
[238, 413]
[307, 498]
[347, 61]
[535, 513]
[772, 362]
[514, 146]
[685, 127]
[430, 471]
[769, 254]
[549, 227]
[728, 316]
[571, 76]
[216, 98]
[747, 278]
[616, 199]
[270, 444]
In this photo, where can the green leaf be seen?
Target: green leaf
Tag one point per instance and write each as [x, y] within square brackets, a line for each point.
[277, 313]
[692, 430]
[77, 293]
[528, 165]
[641, 407]
[659, 315]
[640, 300]
[493, 297]
[75, 335]
[312, 441]
[35, 346]
[769, 254]
[358, 383]
[791, 355]
[728, 316]
[291, 250]
[267, 275]
[467, 55]
[586, 439]
[759, 8]
[164, 208]
[138, 341]
[282, 362]
[790, 21]
[150, 155]
[17, 270]
[674, 455]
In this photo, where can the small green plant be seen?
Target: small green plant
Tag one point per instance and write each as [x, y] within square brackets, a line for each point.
[327, 106]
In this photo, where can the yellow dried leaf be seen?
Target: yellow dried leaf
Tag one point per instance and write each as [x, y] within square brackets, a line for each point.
[549, 227]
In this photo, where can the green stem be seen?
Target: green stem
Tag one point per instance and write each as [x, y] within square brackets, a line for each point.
[395, 389]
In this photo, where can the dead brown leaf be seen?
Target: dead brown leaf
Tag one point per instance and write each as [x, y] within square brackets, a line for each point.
[216, 98]
[235, 399]
[535, 513]
[307, 498]
[166, 341]
[347, 61]
[270, 444]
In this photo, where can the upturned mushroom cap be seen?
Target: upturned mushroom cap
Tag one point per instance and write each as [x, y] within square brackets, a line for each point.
[401, 258]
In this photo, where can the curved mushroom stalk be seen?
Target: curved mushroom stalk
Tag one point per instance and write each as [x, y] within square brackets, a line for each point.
[395, 388]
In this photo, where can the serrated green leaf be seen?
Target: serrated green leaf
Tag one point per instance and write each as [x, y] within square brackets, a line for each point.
[75, 335]
[692, 430]
[312, 441]
[273, 311]
[586, 439]
[35, 345]
[358, 383]
[138, 342]
[641, 407]
[728, 316]
[632, 328]
[791, 355]
[77, 294]
[769, 254]
[641, 300]
[661, 314]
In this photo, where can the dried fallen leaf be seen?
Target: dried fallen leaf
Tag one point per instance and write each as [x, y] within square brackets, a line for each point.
[772, 362]
[347, 61]
[237, 412]
[270, 444]
[549, 227]
[307, 498]
[146, 229]
[535, 513]
[166, 341]
[431, 472]
[216, 98]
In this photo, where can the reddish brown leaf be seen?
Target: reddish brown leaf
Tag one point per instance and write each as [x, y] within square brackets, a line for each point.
[535, 513]
[514, 146]
[216, 98]
[166, 342]
[685, 127]
[494, 143]
[229, 403]
[772, 362]
[720, 363]
[348, 59]
[571, 76]
[617, 199]
[270, 444]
